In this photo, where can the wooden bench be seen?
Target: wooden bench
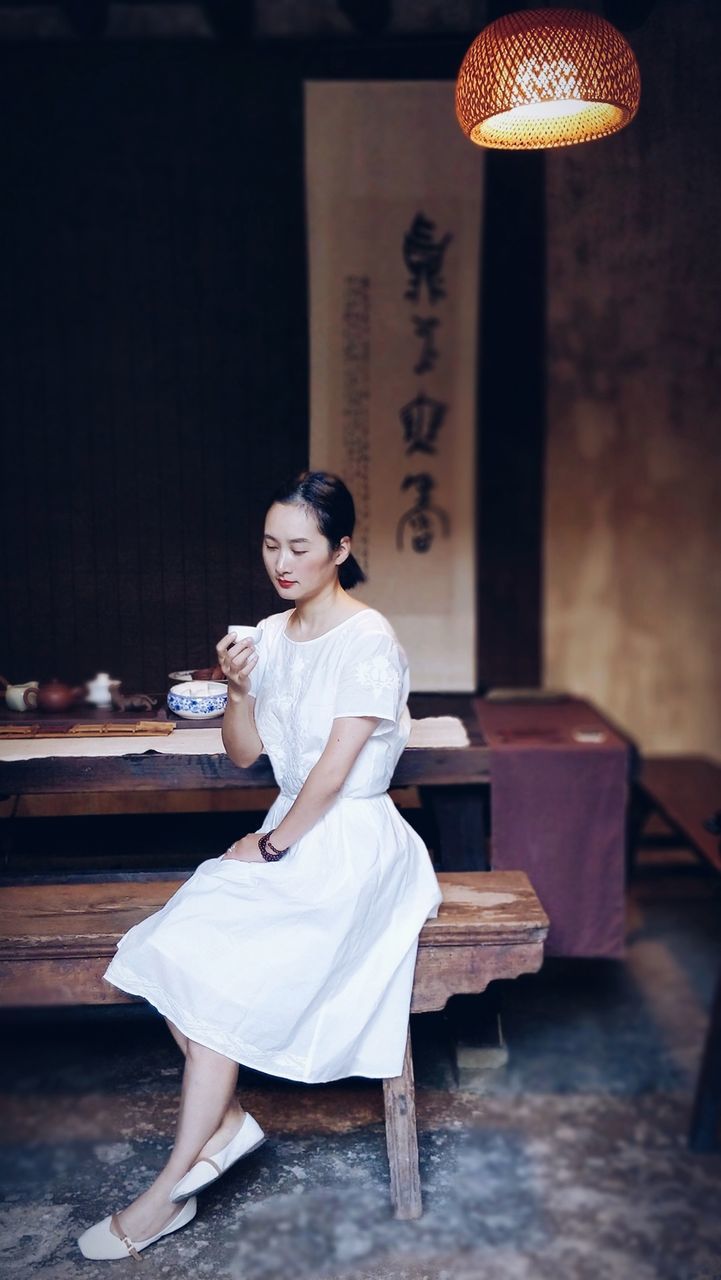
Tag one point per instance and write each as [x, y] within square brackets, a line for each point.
[57, 939]
[685, 791]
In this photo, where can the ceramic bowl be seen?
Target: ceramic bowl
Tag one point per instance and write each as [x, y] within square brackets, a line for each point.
[198, 699]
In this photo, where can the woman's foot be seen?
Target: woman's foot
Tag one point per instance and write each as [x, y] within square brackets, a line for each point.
[228, 1127]
[241, 1139]
[153, 1210]
[148, 1214]
[109, 1239]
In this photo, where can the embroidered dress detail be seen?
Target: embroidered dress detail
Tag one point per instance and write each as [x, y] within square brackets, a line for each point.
[377, 674]
[303, 967]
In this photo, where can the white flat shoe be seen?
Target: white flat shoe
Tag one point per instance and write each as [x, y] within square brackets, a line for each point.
[249, 1137]
[100, 1242]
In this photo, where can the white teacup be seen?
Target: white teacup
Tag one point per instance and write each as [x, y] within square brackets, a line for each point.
[245, 633]
[22, 697]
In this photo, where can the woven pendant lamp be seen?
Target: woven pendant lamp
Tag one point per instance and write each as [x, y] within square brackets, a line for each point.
[546, 78]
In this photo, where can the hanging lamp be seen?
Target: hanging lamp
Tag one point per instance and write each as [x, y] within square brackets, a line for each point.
[546, 78]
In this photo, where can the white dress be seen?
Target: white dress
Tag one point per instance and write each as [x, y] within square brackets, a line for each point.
[303, 968]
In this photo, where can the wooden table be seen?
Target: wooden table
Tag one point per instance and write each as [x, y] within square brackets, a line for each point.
[455, 788]
[451, 781]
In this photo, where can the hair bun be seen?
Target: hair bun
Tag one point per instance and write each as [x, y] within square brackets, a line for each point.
[331, 502]
[350, 574]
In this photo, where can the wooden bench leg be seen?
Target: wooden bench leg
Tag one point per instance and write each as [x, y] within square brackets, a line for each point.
[705, 1130]
[399, 1096]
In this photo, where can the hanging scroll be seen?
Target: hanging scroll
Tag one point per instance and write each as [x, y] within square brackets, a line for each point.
[394, 222]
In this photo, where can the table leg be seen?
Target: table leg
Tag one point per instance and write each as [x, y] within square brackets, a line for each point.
[399, 1096]
[459, 814]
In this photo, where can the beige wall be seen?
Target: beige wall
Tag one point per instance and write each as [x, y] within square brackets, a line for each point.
[633, 510]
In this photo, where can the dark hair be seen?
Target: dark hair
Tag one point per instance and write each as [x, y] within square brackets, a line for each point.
[332, 505]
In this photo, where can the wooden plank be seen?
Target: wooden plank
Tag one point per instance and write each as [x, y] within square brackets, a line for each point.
[687, 791]
[73, 804]
[497, 907]
[418, 766]
[399, 1097]
[442, 972]
[489, 926]
[61, 980]
[75, 920]
[490, 906]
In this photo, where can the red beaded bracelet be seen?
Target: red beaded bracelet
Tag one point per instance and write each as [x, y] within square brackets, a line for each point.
[275, 854]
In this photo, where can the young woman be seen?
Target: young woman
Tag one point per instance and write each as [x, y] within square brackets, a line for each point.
[293, 952]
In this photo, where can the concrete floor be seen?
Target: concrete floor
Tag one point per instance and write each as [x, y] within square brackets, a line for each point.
[570, 1161]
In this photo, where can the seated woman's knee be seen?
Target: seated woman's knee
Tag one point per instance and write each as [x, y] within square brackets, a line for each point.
[198, 1051]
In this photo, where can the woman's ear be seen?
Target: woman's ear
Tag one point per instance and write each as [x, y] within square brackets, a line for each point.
[343, 551]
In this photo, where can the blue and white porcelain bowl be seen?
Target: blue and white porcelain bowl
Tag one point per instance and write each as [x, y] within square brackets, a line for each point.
[198, 699]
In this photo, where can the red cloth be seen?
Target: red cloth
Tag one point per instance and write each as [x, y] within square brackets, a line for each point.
[558, 812]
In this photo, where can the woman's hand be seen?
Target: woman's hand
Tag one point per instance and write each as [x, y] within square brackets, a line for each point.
[237, 659]
[245, 850]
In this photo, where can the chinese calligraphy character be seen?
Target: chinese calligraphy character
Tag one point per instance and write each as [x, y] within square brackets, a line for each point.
[423, 517]
[424, 328]
[424, 259]
[422, 419]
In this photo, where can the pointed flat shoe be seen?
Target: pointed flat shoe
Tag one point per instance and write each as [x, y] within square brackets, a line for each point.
[249, 1137]
[100, 1242]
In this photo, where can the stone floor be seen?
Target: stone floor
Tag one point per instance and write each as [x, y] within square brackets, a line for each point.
[570, 1161]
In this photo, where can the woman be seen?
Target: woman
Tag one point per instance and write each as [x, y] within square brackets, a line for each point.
[293, 952]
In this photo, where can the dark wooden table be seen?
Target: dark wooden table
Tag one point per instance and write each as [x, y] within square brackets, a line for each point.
[451, 781]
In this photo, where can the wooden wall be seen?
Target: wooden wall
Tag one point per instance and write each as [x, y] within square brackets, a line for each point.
[153, 366]
[153, 362]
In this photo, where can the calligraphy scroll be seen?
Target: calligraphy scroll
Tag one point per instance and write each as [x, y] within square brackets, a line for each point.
[394, 223]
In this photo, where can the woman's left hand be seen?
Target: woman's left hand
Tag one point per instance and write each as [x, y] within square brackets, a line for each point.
[245, 850]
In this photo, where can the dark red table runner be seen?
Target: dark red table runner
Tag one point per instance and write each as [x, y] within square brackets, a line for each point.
[559, 793]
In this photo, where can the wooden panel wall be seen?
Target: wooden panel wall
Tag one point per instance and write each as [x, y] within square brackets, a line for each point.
[153, 364]
[153, 361]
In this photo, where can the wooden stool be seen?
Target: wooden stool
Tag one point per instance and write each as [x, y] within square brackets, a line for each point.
[56, 941]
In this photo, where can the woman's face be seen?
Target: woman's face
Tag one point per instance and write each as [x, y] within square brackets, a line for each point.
[297, 557]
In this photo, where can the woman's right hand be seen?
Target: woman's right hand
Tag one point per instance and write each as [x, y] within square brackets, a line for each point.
[237, 659]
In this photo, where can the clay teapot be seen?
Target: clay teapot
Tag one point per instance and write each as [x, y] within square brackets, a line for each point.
[53, 695]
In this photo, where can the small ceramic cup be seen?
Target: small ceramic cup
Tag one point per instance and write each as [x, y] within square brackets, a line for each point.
[245, 633]
[22, 697]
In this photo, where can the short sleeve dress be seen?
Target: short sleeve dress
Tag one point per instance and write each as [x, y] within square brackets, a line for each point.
[303, 968]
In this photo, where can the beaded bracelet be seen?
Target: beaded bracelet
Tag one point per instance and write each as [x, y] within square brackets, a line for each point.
[275, 854]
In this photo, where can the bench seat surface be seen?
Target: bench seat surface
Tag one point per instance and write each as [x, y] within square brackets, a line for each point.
[57, 939]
